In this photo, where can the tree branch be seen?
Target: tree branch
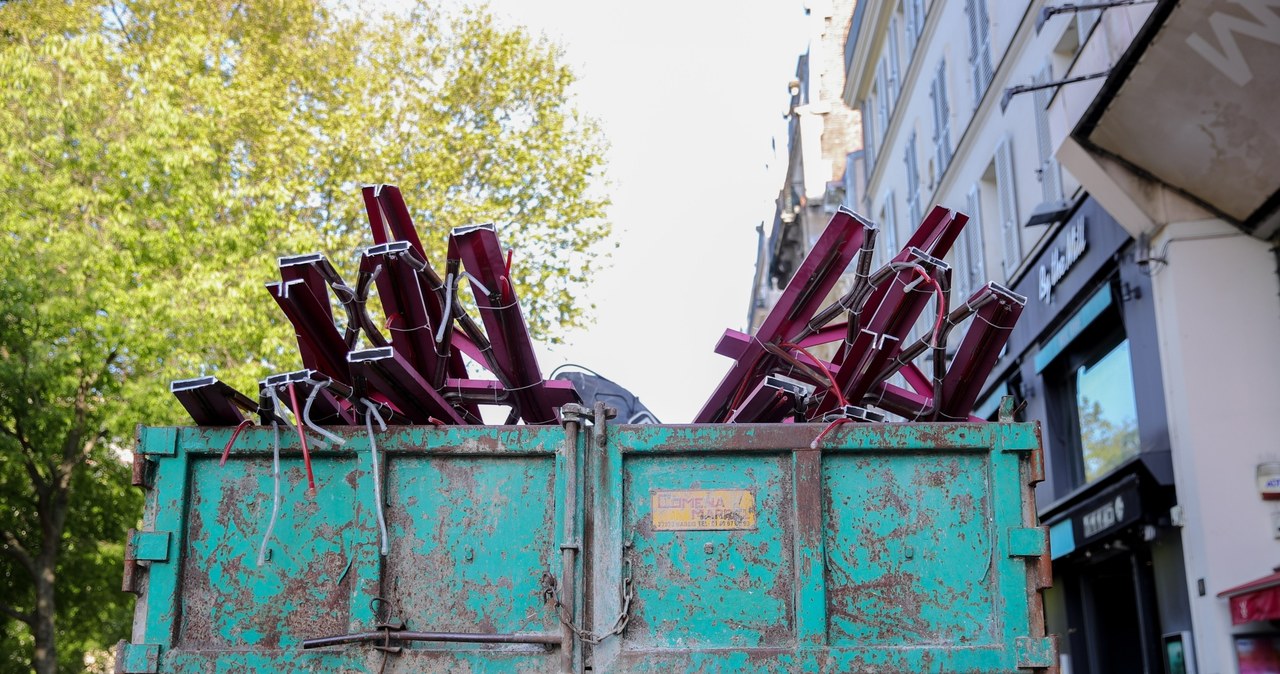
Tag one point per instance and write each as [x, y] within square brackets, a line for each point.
[10, 611]
[14, 548]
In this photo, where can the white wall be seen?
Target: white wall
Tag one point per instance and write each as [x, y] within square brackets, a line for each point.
[1218, 311]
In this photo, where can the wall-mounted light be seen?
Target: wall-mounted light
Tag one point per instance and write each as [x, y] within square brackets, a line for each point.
[793, 87]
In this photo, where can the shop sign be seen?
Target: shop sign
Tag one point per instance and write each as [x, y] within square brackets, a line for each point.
[1108, 512]
[1103, 518]
[1062, 258]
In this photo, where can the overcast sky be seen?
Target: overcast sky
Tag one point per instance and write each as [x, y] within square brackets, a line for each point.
[691, 95]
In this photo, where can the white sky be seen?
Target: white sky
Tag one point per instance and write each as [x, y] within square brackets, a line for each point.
[690, 95]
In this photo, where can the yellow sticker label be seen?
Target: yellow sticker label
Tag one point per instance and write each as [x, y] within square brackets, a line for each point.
[703, 509]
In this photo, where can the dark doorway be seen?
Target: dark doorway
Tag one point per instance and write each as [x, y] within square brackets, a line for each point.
[1114, 627]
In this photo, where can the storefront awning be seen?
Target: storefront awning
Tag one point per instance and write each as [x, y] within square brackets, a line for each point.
[1255, 600]
[1191, 104]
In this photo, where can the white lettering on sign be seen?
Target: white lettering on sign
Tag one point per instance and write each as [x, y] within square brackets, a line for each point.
[1103, 518]
[1063, 257]
[1228, 58]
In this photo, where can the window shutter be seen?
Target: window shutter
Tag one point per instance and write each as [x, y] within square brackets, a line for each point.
[882, 98]
[984, 43]
[933, 101]
[850, 185]
[912, 33]
[889, 231]
[894, 63]
[1009, 229]
[971, 13]
[913, 181]
[869, 135]
[941, 119]
[974, 270]
[1050, 174]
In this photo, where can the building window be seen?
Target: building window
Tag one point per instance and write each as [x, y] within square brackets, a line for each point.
[913, 181]
[1007, 205]
[914, 10]
[894, 62]
[941, 119]
[869, 135]
[850, 180]
[1049, 173]
[1106, 409]
[979, 46]
[882, 97]
[970, 272]
[887, 240]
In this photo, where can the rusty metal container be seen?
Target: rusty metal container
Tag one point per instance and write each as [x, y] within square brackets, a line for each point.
[593, 547]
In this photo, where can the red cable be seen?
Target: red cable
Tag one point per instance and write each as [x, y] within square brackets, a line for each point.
[510, 252]
[306, 455]
[226, 451]
[828, 429]
[821, 366]
[942, 312]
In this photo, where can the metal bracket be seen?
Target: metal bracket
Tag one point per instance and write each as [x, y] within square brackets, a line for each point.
[573, 413]
[157, 441]
[1028, 541]
[1068, 8]
[1036, 653]
[143, 471]
[1024, 88]
[151, 546]
[137, 658]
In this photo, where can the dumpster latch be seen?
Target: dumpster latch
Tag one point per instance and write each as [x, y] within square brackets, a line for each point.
[551, 591]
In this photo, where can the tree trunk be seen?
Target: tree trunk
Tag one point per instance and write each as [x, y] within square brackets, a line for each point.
[46, 653]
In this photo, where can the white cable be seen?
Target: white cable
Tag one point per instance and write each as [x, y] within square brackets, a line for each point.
[306, 416]
[479, 286]
[275, 498]
[448, 307]
[371, 414]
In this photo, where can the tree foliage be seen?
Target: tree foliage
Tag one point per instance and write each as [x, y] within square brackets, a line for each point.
[155, 158]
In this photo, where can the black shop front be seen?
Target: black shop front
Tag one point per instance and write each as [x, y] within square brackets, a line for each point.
[1084, 359]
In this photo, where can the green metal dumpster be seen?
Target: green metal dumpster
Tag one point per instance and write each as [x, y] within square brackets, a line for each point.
[592, 547]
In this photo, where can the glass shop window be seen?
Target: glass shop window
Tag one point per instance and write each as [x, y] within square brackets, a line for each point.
[1106, 409]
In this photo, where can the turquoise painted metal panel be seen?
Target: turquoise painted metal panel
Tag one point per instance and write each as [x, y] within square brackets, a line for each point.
[593, 547]
[708, 588]
[909, 549]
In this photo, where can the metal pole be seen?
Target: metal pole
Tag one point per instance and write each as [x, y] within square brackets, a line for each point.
[448, 637]
[568, 546]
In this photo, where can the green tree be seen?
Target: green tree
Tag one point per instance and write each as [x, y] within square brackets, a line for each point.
[155, 157]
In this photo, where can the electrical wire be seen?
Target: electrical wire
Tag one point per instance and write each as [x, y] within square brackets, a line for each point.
[371, 413]
[942, 308]
[226, 451]
[830, 427]
[821, 367]
[275, 496]
[447, 316]
[302, 437]
[306, 415]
